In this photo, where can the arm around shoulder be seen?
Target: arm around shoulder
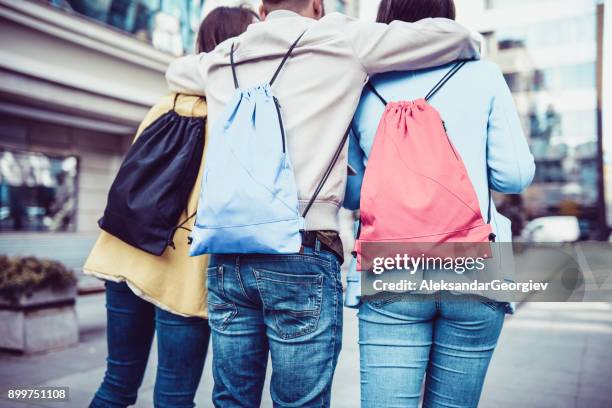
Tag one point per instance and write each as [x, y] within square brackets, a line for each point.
[185, 75]
[402, 46]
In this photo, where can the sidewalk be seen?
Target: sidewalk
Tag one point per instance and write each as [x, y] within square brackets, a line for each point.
[550, 355]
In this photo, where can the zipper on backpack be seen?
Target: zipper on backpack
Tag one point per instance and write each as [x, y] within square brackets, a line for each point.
[280, 121]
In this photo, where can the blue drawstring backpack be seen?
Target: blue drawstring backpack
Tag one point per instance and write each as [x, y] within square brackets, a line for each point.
[249, 197]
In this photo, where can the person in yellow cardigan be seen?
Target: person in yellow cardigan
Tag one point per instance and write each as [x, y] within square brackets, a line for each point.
[164, 294]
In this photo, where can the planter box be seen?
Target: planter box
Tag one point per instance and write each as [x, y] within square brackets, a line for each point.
[43, 321]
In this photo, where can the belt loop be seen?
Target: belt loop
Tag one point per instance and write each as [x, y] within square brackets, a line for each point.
[317, 247]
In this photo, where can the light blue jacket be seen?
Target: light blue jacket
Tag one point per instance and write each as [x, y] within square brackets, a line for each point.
[482, 122]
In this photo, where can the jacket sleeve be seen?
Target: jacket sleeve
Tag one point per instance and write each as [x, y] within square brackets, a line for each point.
[185, 75]
[511, 164]
[402, 46]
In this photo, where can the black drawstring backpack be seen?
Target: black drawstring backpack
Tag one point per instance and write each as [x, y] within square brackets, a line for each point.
[154, 181]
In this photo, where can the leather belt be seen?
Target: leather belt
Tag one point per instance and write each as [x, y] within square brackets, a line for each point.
[329, 241]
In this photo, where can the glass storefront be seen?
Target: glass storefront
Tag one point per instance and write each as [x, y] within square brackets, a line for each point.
[37, 192]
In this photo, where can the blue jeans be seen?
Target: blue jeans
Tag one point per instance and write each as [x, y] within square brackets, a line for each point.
[182, 344]
[288, 306]
[449, 342]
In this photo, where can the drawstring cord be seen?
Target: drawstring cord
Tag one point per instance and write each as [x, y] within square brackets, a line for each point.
[180, 226]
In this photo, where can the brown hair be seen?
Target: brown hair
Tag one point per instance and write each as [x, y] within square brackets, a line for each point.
[414, 10]
[223, 23]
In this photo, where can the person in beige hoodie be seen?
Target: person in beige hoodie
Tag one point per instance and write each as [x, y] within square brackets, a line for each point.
[289, 307]
[147, 293]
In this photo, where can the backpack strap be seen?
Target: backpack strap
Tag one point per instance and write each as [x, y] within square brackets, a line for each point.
[375, 92]
[236, 86]
[178, 227]
[489, 207]
[430, 95]
[492, 236]
[285, 58]
[433, 91]
[445, 79]
[327, 172]
[278, 70]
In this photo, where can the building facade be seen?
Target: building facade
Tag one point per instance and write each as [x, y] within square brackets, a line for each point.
[72, 92]
[551, 53]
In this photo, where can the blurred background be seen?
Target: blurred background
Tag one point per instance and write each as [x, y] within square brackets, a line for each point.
[78, 76]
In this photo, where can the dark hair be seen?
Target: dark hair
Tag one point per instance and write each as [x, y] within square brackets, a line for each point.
[223, 23]
[414, 10]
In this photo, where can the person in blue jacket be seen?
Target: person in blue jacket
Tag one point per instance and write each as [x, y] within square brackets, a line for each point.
[448, 343]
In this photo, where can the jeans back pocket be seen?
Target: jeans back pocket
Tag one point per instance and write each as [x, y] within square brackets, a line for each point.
[220, 310]
[292, 301]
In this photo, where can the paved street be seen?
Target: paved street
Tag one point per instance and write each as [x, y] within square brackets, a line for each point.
[550, 355]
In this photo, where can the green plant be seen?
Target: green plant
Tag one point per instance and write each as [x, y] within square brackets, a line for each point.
[25, 275]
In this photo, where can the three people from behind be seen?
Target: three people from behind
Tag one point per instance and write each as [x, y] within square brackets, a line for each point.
[289, 307]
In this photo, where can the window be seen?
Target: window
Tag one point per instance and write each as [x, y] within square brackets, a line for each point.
[504, 4]
[170, 25]
[576, 30]
[553, 79]
[37, 192]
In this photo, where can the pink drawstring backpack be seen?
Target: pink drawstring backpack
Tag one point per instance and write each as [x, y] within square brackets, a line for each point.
[416, 188]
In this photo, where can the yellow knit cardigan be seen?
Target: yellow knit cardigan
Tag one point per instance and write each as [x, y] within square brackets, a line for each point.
[173, 281]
